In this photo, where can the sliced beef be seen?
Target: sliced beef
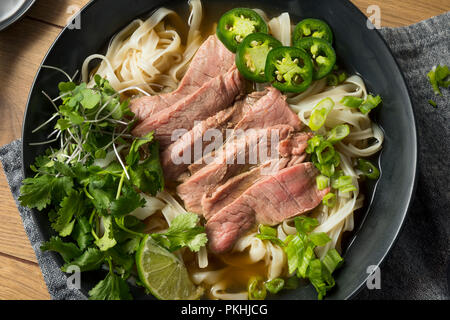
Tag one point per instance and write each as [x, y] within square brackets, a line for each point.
[212, 97]
[235, 157]
[191, 145]
[270, 110]
[292, 151]
[234, 187]
[290, 192]
[211, 60]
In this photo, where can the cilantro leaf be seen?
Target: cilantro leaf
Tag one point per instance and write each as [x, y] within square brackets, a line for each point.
[67, 250]
[183, 232]
[123, 262]
[38, 192]
[127, 202]
[148, 175]
[91, 259]
[133, 154]
[82, 233]
[103, 190]
[112, 287]
[72, 205]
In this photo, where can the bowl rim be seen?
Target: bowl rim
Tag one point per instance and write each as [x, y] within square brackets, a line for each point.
[414, 146]
[17, 15]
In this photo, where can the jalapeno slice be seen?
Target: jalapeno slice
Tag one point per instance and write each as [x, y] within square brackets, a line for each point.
[312, 28]
[322, 54]
[238, 23]
[252, 53]
[289, 69]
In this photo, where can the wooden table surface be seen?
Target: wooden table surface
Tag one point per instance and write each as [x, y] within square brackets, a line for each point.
[22, 47]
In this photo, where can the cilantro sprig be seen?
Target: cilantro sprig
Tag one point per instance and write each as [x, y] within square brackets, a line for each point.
[88, 204]
[184, 231]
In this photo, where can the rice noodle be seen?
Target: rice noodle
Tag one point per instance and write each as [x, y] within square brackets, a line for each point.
[149, 54]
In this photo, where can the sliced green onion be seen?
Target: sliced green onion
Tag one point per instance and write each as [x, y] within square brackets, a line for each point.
[332, 260]
[319, 238]
[370, 103]
[338, 133]
[313, 143]
[322, 182]
[329, 200]
[437, 77]
[368, 169]
[336, 160]
[342, 181]
[256, 289]
[266, 230]
[347, 188]
[319, 114]
[305, 224]
[315, 275]
[306, 258]
[325, 152]
[327, 169]
[351, 102]
[274, 286]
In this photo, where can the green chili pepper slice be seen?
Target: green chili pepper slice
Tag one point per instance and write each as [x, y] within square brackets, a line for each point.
[322, 54]
[312, 28]
[252, 53]
[256, 289]
[289, 69]
[238, 23]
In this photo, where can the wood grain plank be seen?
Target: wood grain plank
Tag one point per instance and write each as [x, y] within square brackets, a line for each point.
[55, 12]
[13, 239]
[393, 13]
[401, 13]
[21, 280]
[23, 47]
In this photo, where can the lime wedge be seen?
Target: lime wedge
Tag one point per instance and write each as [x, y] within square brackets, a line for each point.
[163, 274]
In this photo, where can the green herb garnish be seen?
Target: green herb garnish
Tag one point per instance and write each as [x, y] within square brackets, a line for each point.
[437, 76]
[302, 259]
[93, 180]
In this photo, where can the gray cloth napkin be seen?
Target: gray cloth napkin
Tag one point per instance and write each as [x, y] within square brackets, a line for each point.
[417, 267]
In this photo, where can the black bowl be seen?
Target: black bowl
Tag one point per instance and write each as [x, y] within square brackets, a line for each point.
[360, 49]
